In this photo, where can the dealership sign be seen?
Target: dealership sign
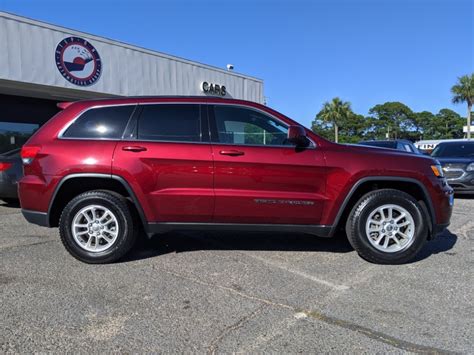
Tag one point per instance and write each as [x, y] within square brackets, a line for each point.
[214, 89]
[78, 61]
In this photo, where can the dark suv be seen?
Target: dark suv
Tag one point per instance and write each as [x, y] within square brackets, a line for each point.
[103, 169]
[457, 160]
[400, 144]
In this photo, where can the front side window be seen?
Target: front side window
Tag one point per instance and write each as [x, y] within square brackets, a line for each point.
[100, 123]
[237, 125]
[170, 122]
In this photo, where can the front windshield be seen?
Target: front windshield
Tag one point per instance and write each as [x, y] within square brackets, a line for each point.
[460, 150]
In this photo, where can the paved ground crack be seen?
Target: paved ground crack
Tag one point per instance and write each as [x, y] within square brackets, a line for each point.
[215, 342]
[379, 336]
[373, 334]
[463, 230]
[9, 247]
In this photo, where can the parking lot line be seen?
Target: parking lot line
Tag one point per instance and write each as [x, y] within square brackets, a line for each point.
[302, 274]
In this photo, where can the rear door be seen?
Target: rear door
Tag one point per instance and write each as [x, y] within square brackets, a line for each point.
[168, 161]
[260, 177]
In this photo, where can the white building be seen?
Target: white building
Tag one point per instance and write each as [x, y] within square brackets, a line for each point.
[43, 64]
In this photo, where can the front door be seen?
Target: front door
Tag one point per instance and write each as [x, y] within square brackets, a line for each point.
[260, 177]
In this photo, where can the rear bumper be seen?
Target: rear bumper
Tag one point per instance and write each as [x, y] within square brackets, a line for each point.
[8, 189]
[35, 217]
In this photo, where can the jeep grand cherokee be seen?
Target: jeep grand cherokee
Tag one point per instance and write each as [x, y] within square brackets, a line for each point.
[101, 170]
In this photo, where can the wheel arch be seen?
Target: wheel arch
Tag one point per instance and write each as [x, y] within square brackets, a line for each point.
[411, 186]
[69, 187]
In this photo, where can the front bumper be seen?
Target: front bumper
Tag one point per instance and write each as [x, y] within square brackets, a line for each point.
[442, 204]
[438, 229]
[464, 184]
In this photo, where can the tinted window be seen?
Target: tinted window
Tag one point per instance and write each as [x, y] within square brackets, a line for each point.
[173, 122]
[461, 150]
[104, 122]
[12, 153]
[14, 135]
[236, 125]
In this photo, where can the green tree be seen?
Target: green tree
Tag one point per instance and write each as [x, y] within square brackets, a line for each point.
[354, 128]
[322, 128]
[448, 125]
[392, 120]
[423, 125]
[463, 92]
[335, 112]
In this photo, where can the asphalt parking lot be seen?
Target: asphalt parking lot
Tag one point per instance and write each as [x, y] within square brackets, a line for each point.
[233, 292]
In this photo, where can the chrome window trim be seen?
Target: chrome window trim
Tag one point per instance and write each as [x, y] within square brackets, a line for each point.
[61, 132]
[70, 123]
[314, 145]
[264, 146]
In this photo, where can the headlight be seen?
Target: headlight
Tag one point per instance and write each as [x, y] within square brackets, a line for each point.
[437, 170]
[470, 167]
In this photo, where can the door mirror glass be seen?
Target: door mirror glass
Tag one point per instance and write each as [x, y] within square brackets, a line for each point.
[297, 136]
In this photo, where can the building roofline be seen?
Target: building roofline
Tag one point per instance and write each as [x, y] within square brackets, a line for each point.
[109, 41]
[183, 98]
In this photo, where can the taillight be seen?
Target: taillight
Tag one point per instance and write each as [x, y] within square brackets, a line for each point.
[29, 153]
[5, 166]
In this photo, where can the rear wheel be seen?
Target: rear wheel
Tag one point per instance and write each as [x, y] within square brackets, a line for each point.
[387, 227]
[97, 227]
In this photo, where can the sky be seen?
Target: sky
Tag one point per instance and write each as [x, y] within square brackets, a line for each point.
[366, 52]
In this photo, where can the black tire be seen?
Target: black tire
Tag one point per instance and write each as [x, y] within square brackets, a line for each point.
[116, 204]
[356, 226]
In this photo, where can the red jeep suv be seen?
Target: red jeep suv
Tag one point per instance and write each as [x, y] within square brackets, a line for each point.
[103, 169]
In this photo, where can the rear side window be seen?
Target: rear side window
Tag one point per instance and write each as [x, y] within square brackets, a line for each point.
[170, 122]
[101, 123]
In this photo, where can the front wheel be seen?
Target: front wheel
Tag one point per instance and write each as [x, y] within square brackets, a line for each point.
[387, 227]
[97, 227]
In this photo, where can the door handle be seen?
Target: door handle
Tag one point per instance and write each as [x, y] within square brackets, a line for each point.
[232, 152]
[134, 148]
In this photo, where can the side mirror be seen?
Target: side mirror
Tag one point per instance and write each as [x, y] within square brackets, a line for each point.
[297, 136]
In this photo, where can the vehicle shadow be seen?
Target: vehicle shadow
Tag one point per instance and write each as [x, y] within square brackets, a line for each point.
[464, 196]
[181, 242]
[441, 244]
[10, 204]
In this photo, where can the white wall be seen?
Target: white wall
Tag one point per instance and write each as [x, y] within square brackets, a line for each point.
[27, 55]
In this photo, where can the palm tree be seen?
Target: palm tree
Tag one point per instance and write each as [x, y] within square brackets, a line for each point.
[462, 92]
[335, 111]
